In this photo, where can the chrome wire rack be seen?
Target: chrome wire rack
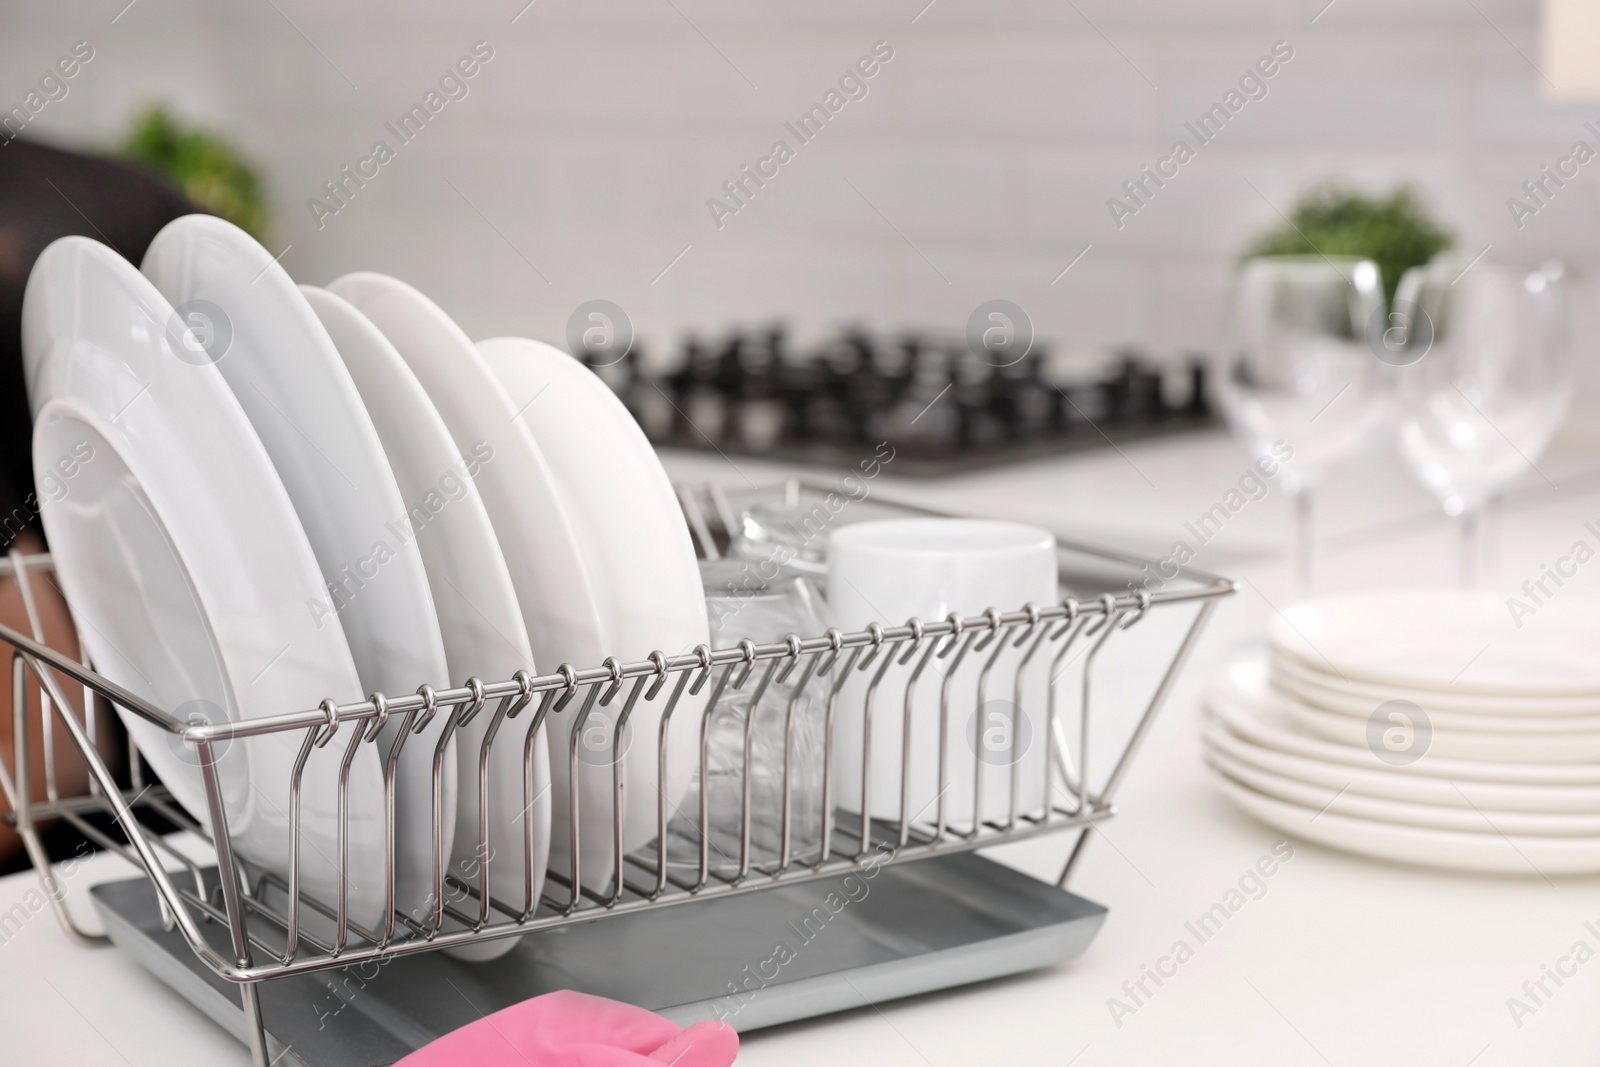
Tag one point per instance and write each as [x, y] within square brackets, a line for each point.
[276, 929]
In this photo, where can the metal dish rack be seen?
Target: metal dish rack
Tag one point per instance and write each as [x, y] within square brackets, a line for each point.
[225, 924]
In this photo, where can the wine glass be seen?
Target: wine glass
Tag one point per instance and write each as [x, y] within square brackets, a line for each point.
[1486, 379]
[1298, 377]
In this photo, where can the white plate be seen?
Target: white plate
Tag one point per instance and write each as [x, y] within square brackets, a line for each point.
[1344, 801]
[185, 565]
[1394, 784]
[530, 518]
[286, 373]
[640, 563]
[484, 636]
[1556, 713]
[1454, 744]
[1242, 698]
[1447, 639]
[1489, 853]
[1360, 705]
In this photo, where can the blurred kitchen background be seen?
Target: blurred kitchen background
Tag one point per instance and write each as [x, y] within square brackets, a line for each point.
[578, 161]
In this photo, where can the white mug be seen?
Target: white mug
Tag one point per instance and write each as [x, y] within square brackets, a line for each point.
[891, 571]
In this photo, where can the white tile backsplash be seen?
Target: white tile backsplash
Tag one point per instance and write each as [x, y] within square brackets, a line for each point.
[988, 145]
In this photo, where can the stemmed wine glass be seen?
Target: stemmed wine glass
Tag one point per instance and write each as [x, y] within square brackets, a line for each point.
[1298, 374]
[1486, 379]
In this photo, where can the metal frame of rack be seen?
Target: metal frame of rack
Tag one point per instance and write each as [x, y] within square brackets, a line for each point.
[268, 941]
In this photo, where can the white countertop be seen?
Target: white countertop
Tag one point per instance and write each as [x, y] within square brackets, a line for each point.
[1343, 961]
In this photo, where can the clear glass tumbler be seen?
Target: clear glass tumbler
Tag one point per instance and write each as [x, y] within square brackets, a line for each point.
[785, 731]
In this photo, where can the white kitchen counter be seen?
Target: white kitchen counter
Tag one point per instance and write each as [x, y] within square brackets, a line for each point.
[1342, 961]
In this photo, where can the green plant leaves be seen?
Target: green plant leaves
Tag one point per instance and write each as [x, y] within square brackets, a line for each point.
[208, 170]
[1396, 232]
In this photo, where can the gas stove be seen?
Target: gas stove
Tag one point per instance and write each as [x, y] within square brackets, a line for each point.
[945, 409]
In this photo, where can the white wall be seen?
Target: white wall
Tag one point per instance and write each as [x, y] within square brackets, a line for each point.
[983, 155]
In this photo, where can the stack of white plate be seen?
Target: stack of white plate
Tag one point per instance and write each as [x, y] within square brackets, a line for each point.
[260, 496]
[1434, 727]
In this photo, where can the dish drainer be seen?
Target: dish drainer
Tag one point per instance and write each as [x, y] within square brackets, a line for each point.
[254, 950]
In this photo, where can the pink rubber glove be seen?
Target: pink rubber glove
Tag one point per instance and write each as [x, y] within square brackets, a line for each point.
[568, 1029]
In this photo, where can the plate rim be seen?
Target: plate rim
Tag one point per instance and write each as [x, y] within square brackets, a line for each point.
[1494, 821]
[1373, 782]
[72, 253]
[424, 428]
[1287, 631]
[1320, 748]
[604, 406]
[197, 254]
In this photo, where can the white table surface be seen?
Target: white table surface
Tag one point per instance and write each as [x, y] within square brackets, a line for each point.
[1343, 961]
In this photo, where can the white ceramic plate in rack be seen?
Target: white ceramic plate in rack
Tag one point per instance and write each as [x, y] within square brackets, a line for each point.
[484, 636]
[1243, 699]
[1395, 784]
[1445, 639]
[185, 564]
[640, 562]
[530, 518]
[1477, 820]
[1356, 705]
[1453, 850]
[287, 375]
[1436, 701]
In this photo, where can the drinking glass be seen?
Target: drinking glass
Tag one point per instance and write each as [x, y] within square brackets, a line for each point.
[1486, 378]
[742, 604]
[789, 538]
[1298, 373]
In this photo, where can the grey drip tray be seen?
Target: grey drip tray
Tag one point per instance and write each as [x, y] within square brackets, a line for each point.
[754, 960]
